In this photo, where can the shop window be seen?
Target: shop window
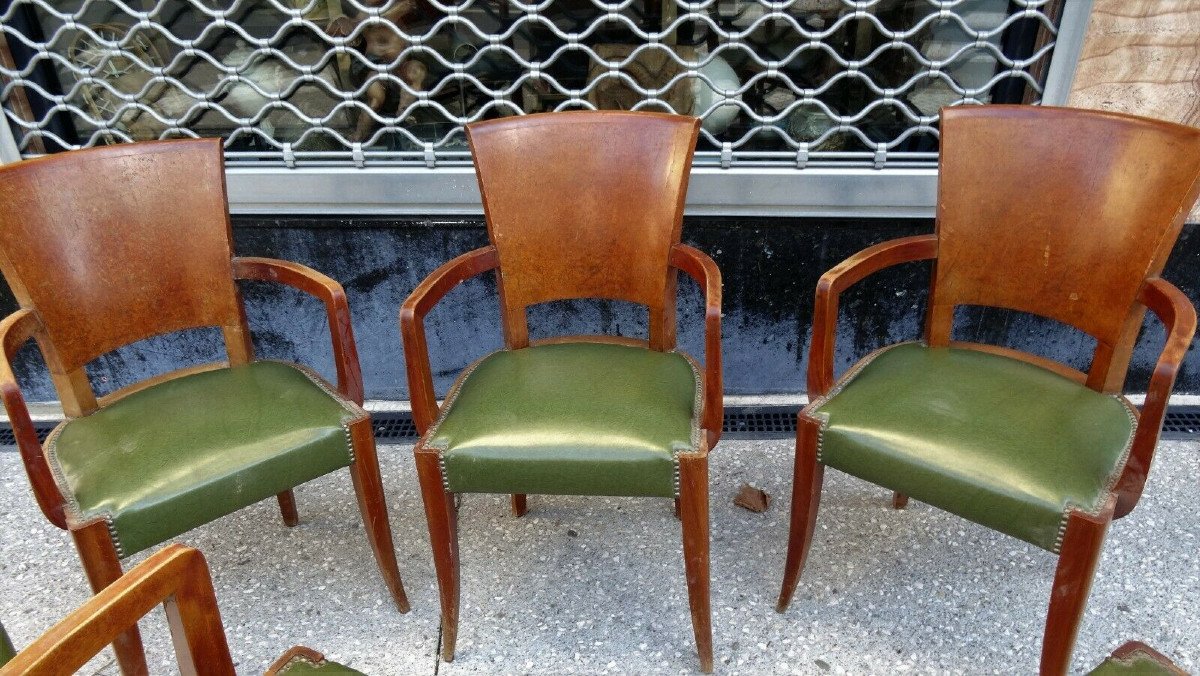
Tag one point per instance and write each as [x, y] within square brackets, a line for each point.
[392, 82]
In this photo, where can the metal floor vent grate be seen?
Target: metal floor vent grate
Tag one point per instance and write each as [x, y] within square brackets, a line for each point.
[43, 430]
[393, 425]
[1182, 422]
[760, 422]
[749, 422]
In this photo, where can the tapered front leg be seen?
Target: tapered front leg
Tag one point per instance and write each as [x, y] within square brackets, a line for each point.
[1077, 559]
[518, 503]
[807, 479]
[103, 567]
[368, 487]
[693, 512]
[287, 508]
[442, 517]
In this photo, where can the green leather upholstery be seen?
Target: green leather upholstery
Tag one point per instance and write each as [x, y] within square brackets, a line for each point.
[187, 451]
[998, 441]
[1137, 663]
[7, 652]
[302, 665]
[570, 419]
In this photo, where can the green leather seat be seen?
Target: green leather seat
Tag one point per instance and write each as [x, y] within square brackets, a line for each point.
[186, 451]
[570, 419]
[998, 441]
[1136, 659]
[303, 664]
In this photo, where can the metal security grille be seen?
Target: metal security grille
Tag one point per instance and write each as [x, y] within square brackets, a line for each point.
[392, 82]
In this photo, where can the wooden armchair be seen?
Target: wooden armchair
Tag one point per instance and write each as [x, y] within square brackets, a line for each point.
[175, 576]
[1067, 214]
[578, 205]
[109, 246]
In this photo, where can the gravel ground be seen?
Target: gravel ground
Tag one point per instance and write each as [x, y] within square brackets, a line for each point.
[595, 585]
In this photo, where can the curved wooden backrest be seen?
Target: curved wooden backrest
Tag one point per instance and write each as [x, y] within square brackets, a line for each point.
[1062, 213]
[116, 244]
[584, 205]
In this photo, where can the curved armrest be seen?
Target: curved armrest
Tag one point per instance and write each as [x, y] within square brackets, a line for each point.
[704, 270]
[15, 330]
[1176, 312]
[176, 576]
[412, 326]
[838, 279]
[304, 278]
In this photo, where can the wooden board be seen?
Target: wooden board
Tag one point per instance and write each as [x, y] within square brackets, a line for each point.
[1142, 57]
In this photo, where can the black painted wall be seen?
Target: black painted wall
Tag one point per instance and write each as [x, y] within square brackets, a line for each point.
[770, 268]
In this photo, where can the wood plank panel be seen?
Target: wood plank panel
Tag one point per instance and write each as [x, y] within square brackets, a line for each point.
[1142, 57]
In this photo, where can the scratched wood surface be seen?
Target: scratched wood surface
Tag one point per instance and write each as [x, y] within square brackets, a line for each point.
[1142, 57]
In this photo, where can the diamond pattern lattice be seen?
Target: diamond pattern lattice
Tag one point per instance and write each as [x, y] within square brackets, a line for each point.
[379, 82]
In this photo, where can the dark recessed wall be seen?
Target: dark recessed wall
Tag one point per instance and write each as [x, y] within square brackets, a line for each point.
[770, 268]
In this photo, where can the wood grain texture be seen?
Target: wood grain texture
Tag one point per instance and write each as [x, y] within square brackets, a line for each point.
[604, 191]
[1081, 547]
[108, 246]
[16, 330]
[1105, 184]
[578, 205]
[1142, 57]
[116, 244]
[1127, 182]
[176, 577]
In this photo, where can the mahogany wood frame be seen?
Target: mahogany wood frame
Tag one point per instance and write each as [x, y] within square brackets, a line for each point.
[1111, 320]
[692, 504]
[200, 272]
[175, 576]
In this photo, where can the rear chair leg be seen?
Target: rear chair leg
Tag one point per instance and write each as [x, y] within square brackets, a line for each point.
[442, 517]
[368, 486]
[287, 507]
[693, 512]
[518, 505]
[899, 500]
[103, 567]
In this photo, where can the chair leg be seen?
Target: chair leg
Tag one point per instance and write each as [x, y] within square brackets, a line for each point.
[103, 567]
[1077, 559]
[287, 507]
[368, 487]
[807, 479]
[677, 516]
[442, 517]
[693, 511]
[518, 505]
[899, 500]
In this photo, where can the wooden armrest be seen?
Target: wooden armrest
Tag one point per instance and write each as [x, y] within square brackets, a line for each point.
[304, 278]
[1176, 312]
[15, 330]
[838, 279]
[176, 576]
[412, 326]
[700, 267]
